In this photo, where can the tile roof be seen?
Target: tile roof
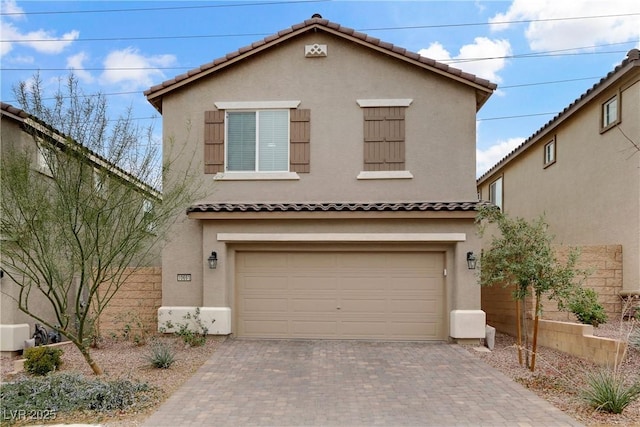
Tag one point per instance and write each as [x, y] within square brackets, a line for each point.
[336, 207]
[154, 94]
[632, 60]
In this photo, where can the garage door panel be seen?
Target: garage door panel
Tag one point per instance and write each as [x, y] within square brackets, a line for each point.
[321, 328]
[372, 306]
[313, 305]
[363, 283]
[312, 283]
[267, 282]
[265, 305]
[340, 295]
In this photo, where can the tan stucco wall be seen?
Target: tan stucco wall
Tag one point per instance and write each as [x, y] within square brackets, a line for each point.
[440, 123]
[13, 138]
[591, 195]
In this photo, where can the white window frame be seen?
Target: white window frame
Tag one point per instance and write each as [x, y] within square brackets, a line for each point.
[610, 116]
[43, 151]
[257, 141]
[550, 152]
[496, 192]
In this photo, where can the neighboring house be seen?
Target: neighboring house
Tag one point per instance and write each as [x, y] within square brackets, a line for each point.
[339, 190]
[582, 171]
[21, 131]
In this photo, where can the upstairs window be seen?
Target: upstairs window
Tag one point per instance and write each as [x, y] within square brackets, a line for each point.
[610, 113]
[550, 152]
[46, 159]
[495, 192]
[257, 139]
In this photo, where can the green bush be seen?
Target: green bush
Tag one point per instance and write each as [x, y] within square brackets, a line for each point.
[584, 304]
[193, 330]
[42, 360]
[69, 392]
[161, 356]
[608, 392]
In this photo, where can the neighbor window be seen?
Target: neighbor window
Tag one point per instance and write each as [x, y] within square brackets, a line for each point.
[258, 141]
[45, 159]
[610, 112]
[550, 152]
[495, 192]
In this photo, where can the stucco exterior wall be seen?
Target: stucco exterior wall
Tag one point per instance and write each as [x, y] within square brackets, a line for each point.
[591, 194]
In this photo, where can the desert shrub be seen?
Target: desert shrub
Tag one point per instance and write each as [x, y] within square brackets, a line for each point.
[607, 391]
[584, 304]
[161, 356]
[68, 392]
[42, 360]
[192, 330]
[133, 328]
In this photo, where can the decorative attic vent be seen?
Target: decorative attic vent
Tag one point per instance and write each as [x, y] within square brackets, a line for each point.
[315, 50]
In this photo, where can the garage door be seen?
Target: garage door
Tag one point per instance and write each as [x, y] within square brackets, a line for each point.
[340, 295]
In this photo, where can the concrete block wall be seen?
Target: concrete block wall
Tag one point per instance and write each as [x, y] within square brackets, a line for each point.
[578, 340]
[138, 299]
[605, 261]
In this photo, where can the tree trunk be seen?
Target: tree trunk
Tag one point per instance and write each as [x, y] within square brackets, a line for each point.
[97, 370]
[534, 345]
[519, 334]
[525, 327]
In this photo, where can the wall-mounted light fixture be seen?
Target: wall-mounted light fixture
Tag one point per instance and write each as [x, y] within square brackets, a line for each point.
[213, 260]
[471, 261]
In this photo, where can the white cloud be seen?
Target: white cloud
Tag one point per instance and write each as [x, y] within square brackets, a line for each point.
[11, 9]
[76, 64]
[466, 59]
[41, 41]
[487, 158]
[131, 68]
[556, 33]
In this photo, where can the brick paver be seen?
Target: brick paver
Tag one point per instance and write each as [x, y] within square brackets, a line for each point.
[351, 383]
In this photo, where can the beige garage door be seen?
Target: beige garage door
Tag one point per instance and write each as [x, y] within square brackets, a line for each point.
[340, 295]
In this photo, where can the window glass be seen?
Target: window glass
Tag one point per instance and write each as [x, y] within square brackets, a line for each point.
[258, 141]
[610, 112]
[550, 153]
[495, 192]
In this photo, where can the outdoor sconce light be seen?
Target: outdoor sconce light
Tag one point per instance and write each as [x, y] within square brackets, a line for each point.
[213, 260]
[471, 261]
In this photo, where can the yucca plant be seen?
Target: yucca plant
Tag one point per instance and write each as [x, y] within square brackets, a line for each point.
[161, 356]
[607, 391]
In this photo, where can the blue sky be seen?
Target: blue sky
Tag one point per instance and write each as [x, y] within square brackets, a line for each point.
[543, 54]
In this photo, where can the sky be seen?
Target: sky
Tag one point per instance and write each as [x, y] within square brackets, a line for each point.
[542, 54]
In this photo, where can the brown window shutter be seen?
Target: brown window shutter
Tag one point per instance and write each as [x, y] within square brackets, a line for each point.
[300, 134]
[214, 141]
[384, 138]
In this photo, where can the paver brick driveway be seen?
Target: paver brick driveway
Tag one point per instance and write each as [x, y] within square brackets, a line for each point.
[351, 383]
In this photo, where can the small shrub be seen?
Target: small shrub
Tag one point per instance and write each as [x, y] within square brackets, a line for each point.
[68, 392]
[42, 360]
[161, 356]
[584, 304]
[133, 328]
[193, 330]
[607, 391]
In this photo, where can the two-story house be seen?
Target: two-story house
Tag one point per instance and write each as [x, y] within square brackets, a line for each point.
[340, 198]
[582, 171]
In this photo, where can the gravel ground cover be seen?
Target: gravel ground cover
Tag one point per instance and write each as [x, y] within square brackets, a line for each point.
[557, 379]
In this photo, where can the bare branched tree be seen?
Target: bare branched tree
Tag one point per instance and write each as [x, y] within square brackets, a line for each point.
[76, 225]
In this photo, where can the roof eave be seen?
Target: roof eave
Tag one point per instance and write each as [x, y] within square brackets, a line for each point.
[483, 87]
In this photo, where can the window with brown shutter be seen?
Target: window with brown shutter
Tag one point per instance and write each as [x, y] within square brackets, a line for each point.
[299, 145]
[214, 141]
[384, 138]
